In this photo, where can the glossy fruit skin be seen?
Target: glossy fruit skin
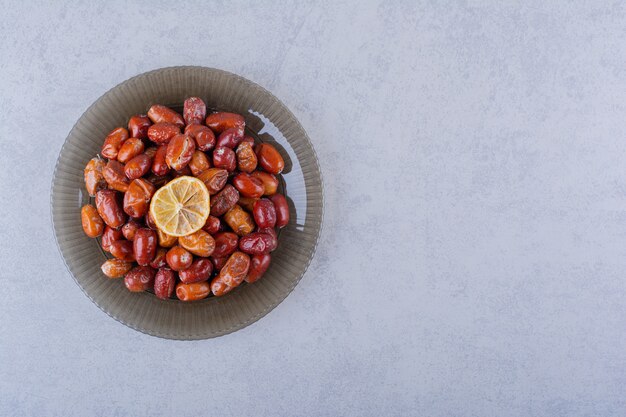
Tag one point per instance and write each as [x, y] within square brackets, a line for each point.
[246, 158]
[94, 176]
[270, 182]
[122, 249]
[179, 151]
[116, 268]
[130, 228]
[110, 208]
[282, 210]
[264, 213]
[192, 292]
[235, 269]
[113, 142]
[204, 137]
[165, 240]
[138, 166]
[212, 225]
[225, 244]
[149, 222]
[199, 163]
[130, 149]
[137, 198]
[164, 283]
[114, 175]
[269, 158]
[186, 171]
[194, 110]
[239, 220]
[224, 200]
[159, 260]
[109, 236]
[200, 270]
[219, 122]
[218, 262]
[248, 139]
[258, 265]
[230, 138]
[247, 203]
[219, 287]
[144, 246]
[93, 226]
[138, 126]
[159, 113]
[140, 278]
[159, 164]
[225, 158]
[199, 243]
[257, 243]
[178, 258]
[214, 179]
[248, 186]
[269, 230]
[162, 133]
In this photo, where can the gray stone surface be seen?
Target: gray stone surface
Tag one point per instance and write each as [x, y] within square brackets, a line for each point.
[473, 255]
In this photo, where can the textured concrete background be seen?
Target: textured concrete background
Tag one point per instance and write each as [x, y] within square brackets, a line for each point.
[474, 251]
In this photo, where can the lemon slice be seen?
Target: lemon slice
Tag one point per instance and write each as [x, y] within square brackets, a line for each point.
[181, 206]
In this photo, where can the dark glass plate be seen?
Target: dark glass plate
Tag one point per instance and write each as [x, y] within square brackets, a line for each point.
[269, 121]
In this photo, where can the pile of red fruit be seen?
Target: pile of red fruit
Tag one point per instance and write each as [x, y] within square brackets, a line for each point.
[237, 229]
